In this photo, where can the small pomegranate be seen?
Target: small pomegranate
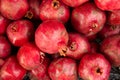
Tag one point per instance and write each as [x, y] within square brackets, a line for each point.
[114, 17]
[94, 66]
[11, 70]
[4, 22]
[29, 56]
[74, 3]
[54, 9]
[63, 69]
[20, 32]
[108, 4]
[33, 12]
[88, 19]
[5, 47]
[78, 45]
[51, 37]
[14, 9]
[111, 48]
[40, 73]
[109, 30]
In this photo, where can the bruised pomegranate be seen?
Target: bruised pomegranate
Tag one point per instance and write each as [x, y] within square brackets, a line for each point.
[88, 19]
[14, 9]
[63, 69]
[4, 22]
[74, 3]
[20, 32]
[51, 37]
[54, 9]
[111, 48]
[11, 70]
[29, 56]
[40, 73]
[109, 30]
[108, 4]
[33, 12]
[114, 17]
[94, 66]
[78, 45]
[5, 47]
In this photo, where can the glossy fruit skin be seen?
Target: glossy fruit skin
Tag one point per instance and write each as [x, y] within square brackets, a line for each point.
[11, 70]
[88, 19]
[63, 69]
[5, 47]
[33, 12]
[18, 27]
[74, 3]
[114, 17]
[78, 46]
[108, 5]
[94, 66]
[4, 22]
[111, 48]
[54, 9]
[109, 30]
[53, 34]
[29, 56]
[14, 9]
[41, 72]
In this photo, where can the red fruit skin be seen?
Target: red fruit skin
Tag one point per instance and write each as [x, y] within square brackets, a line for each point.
[108, 5]
[88, 19]
[5, 47]
[54, 9]
[40, 73]
[14, 9]
[1, 62]
[94, 67]
[63, 69]
[20, 32]
[109, 30]
[78, 46]
[11, 70]
[29, 56]
[114, 17]
[111, 48]
[74, 3]
[33, 12]
[4, 22]
[51, 36]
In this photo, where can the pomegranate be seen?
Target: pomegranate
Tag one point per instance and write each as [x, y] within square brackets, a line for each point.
[18, 27]
[114, 17]
[63, 69]
[108, 4]
[4, 22]
[78, 45]
[109, 30]
[74, 3]
[11, 70]
[29, 56]
[14, 9]
[40, 73]
[1, 62]
[111, 48]
[33, 12]
[88, 19]
[54, 9]
[51, 37]
[5, 47]
[94, 66]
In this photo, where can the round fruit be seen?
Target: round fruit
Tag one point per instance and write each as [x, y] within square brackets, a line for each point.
[51, 37]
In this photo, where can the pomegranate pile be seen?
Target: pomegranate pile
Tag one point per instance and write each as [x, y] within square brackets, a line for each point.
[59, 39]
